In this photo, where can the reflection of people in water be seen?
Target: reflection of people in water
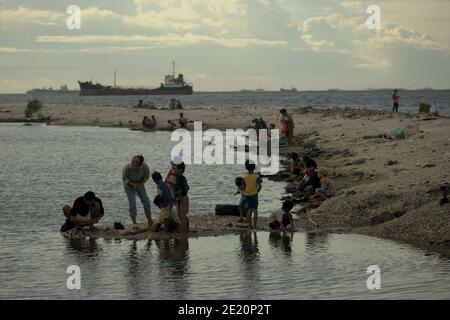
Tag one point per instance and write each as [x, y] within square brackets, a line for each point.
[281, 240]
[249, 245]
[316, 241]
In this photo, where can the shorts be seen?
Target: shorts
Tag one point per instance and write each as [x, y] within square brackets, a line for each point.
[80, 218]
[251, 202]
[242, 202]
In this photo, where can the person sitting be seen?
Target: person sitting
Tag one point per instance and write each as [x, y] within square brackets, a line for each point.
[281, 220]
[327, 187]
[86, 211]
[172, 125]
[153, 121]
[182, 121]
[296, 166]
[149, 123]
[311, 180]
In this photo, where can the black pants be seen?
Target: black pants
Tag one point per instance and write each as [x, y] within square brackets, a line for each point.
[395, 107]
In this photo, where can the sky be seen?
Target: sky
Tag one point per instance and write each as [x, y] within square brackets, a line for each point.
[225, 45]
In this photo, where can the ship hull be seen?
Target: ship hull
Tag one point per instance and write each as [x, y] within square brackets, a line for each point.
[186, 90]
[89, 89]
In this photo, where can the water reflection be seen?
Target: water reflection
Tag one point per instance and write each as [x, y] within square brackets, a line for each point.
[316, 242]
[281, 241]
[83, 245]
[249, 246]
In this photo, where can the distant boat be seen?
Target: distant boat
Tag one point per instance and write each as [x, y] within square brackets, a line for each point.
[293, 89]
[172, 86]
[259, 90]
[62, 89]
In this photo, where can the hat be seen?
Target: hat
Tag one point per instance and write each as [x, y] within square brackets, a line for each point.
[177, 160]
[322, 171]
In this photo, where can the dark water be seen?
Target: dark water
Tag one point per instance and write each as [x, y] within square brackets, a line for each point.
[373, 99]
[44, 167]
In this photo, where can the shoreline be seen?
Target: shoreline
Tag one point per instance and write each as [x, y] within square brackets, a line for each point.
[386, 188]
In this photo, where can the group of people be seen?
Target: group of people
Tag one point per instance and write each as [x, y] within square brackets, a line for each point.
[149, 123]
[171, 199]
[310, 179]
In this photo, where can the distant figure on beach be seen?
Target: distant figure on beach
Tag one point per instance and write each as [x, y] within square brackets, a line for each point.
[327, 187]
[86, 211]
[134, 177]
[181, 193]
[253, 185]
[182, 121]
[164, 200]
[172, 125]
[281, 220]
[149, 123]
[262, 124]
[287, 125]
[395, 101]
[140, 104]
[240, 184]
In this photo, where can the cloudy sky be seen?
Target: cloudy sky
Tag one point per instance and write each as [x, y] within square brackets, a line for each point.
[226, 44]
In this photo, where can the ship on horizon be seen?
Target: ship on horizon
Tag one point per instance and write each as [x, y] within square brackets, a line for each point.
[293, 89]
[172, 86]
[62, 89]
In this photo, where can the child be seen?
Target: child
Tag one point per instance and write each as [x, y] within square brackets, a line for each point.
[311, 180]
[252, 187]
[282, 219]
[171, 224]
[240, 183]
[327, 188]
[164, 201]
[296, 166]
[181, 195]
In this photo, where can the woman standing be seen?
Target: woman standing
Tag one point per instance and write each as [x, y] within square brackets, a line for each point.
[135, 175]
[287, 125]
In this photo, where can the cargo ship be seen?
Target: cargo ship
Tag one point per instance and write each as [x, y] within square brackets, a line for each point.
[172, 86]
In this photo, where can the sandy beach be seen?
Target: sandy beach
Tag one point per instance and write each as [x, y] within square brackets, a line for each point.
[386, 188]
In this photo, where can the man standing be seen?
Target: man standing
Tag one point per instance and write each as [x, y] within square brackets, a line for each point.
[395, 100]
[86, 211]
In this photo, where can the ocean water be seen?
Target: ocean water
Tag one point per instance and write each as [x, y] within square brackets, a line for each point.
[371, 99]
[44, 167]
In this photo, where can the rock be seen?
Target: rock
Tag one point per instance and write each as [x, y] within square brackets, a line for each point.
[429, 165]
[227, 210]
[356, 162]
[391, 163]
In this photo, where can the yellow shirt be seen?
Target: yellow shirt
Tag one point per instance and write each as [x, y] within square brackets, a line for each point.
[252, 183]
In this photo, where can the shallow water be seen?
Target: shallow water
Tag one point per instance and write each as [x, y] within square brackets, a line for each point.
[44, 167]
[372, 99]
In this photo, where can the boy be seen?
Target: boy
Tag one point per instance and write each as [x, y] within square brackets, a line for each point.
[327, 188]
[252, 187]
[282, 219]
[181, 195]
[164, 201]
[311, 180]
[172, 224]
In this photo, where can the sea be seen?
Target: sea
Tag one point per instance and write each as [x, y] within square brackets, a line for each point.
[370, 99]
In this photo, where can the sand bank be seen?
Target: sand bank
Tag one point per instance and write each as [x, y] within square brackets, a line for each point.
[386, 188]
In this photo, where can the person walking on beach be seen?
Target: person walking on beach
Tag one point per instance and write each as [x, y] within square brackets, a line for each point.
[86, 211]
[395, 101]
[134, 176]
[253, 185]
[287, 125]
[181, 193]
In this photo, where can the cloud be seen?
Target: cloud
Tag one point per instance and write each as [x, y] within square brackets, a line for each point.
[356, 6]
[166, 40]
[26, 15]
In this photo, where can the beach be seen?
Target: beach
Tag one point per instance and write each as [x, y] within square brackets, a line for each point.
[387, 188]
